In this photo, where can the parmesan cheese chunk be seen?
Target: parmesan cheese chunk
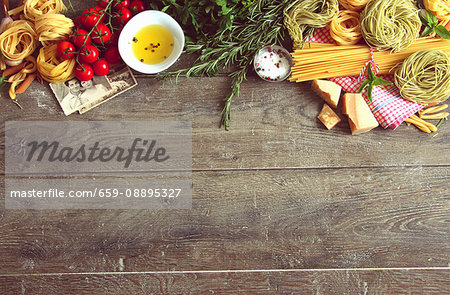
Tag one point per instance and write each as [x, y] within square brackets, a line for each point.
[328, 90]
[328, 117]
[359, 114]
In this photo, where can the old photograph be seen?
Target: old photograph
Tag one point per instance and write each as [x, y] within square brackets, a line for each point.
[75, 95]
[120, 79]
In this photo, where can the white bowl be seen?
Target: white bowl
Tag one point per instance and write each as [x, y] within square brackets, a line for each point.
[143, 19]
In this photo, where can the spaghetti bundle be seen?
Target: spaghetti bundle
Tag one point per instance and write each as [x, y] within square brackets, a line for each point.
[53, 27]
[329, 60]
[51, 69]
[390, 24]
[301, 17]
[18, 41]
[355, 5]
[440, 8]
[424, 77]
[345, 28]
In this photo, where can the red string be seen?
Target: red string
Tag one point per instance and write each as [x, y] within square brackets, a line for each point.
[373, 64]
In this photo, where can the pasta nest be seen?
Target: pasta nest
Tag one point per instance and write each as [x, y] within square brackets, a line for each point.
[424, 77]
[390, 24]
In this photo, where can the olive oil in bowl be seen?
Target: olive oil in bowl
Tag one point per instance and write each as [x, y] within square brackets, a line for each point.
[152, 44]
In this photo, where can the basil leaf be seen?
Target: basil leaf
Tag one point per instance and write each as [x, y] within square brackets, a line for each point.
[423, 20]
[363, 85]
[427, 31]
[379, 81]
[443, 32]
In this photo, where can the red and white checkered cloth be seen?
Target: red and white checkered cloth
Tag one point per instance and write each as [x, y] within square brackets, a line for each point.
[388, 107]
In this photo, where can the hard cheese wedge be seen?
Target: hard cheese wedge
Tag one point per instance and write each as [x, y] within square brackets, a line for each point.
[328, 117]
[360, 117]
[328, 90]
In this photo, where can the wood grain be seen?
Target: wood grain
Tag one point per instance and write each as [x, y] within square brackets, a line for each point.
[271, 219]
[274, 126]
[350, 282]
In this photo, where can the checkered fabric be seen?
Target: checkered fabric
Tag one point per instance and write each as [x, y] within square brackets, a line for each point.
[388, 107]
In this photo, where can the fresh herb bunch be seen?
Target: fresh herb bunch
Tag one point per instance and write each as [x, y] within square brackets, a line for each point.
[233, 46]
[200, 19]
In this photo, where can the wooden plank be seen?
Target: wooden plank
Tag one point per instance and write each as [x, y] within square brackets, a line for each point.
[401, 281]
[274, 125]
[272, 219]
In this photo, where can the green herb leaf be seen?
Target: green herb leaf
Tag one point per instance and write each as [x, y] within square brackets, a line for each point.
[363, 85]
[427, 31]
[371, 81]
[3, 81]
[443, 32]
[378, 81]
[431, 18]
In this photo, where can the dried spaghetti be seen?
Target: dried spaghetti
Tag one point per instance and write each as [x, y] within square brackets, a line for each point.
[18, 41]
[53, 27]
[51, 68]
[345, 28]
[329, 60]
[355, 5]
[301, 17]
[390, 24]
[424, 77]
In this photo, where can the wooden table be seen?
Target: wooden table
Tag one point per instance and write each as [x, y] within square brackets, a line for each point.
[280, 204]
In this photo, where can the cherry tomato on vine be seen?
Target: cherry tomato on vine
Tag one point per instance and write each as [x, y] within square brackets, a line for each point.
[100, 12]
[66, 50]
[101, 34]
[101, 67]
[137, 6]
[121, 4]
[89, 18]
[84, 72]
[123, 16]
[89, 54]
[112, 55]
[114, 38]
[117, 3]
[79, 38]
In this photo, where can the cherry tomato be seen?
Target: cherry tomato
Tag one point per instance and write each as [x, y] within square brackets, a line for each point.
[101, 67]
[89, 18]
[100, 12]
[117, 3]
[121, 4]
[114, 38]
[66, 50]
[123, 16]
[137, 6]
[112, 55]
[79, 38]
[89, 54]
[77, 22]
[84, 72]
[101, 34]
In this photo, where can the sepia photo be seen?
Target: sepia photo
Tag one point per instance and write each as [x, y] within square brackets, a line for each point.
[75, 95]
[120, 78]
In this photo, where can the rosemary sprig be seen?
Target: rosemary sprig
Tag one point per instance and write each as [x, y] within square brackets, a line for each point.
[259, 24]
